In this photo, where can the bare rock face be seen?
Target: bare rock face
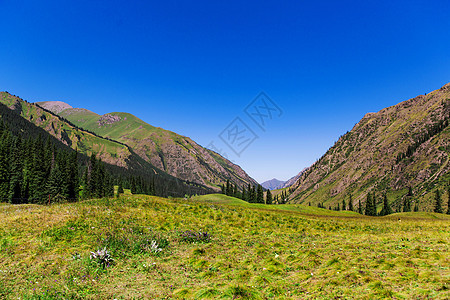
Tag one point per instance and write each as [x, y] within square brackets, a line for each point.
[108, 119]
[54, 106]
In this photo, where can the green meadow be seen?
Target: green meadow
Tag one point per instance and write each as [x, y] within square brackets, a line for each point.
[218, 247]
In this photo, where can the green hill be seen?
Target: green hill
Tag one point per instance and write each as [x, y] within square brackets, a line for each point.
[403, 146]
[178, 155]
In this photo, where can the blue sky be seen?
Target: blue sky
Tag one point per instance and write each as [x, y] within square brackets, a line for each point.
[193, 66]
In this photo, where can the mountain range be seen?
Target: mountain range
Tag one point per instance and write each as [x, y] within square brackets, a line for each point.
[177, 155]
[397, 151]
[401, 151]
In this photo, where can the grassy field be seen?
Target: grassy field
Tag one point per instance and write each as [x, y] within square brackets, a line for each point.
[245, 251]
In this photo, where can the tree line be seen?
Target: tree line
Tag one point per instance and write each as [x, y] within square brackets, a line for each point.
[253, 194]
[370, 206]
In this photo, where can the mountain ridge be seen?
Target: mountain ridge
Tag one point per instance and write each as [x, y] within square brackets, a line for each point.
[401, 146]
[175, 154]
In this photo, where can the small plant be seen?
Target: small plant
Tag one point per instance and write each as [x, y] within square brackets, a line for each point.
[191, 236]
[102, 257]
[76, 256]
[154, 248]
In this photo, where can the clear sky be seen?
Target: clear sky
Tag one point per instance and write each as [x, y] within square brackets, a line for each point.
[193, 66]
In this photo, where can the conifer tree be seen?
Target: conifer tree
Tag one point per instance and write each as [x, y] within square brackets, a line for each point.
[438, 203]
[344, 206]
[360, 210]
[386, 210]
[228, 188]
[350, 203]
[259, 194]
[269, 197]
[4, 164]
[244, 194]
[254, 196]
[120, 187]
[448, 203]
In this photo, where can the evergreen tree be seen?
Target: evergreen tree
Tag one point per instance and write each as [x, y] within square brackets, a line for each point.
[416, 207]
[120, 187]
[438, 203]
[55, 183]
[259, 194]
[350, 203]
[386, 210]
[244, 194]
[4, 164]
[235, 191]
[16, 172]
[344, 206]
[360, 210]
[228, 189]
[222, 188]
[448, 203]
[269, 197]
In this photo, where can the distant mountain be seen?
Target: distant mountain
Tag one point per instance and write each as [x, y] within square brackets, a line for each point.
[272, 184]
[177, 155]
[400, 147]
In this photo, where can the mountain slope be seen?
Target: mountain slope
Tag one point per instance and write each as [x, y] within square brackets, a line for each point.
[272, 184]
[406, 145]
[293, 180]
[120, 157]
[177, 155]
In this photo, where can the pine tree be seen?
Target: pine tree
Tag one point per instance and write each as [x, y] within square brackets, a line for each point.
[344, 206]
[386, 210]
[254, 197]
[4, 164]
[350, 203]
[269, 197]
[228, 188]
[259, 194]
[360, 210]
[222, 188]
[55, 183]
[244, 194]
[448, 203]
[120, 187]
[438, 203]
[235, 191]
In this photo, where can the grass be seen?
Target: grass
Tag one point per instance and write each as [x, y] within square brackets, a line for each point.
[254, 251]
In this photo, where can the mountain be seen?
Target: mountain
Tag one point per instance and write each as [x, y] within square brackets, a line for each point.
[272, 184]
[400, 147]
[177, 155]
[32, 120]
[293, 180]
